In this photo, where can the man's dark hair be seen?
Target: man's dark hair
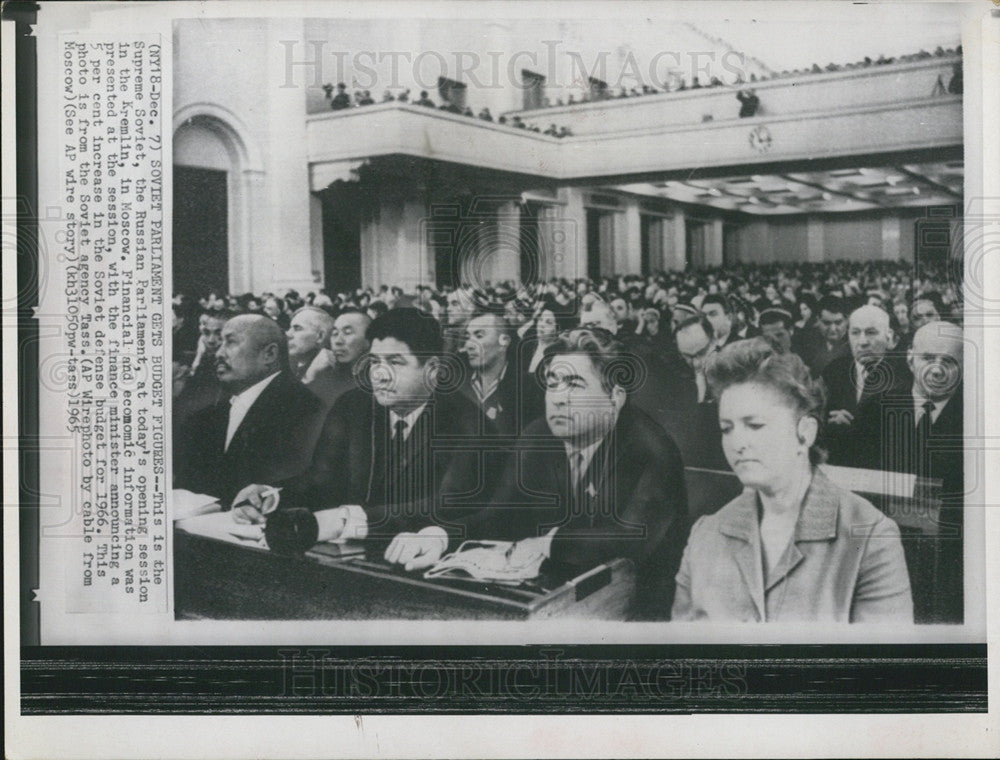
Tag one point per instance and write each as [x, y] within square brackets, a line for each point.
[717, 298]
[833, 304]
[417, 329]
[378, 307]
[608, 355]
[935, 298]
[498, 318]
[776, 316]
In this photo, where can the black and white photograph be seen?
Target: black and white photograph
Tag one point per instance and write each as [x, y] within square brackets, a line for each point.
[524, 320]
[453, 359]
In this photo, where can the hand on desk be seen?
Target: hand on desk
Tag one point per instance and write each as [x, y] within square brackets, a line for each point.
[416, 551]
[254, 502]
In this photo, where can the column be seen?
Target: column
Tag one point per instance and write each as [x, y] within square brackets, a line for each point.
[628, 253]
[891, 234]
[713, 244]
[675, 246]
[814, 239]
[282, 234]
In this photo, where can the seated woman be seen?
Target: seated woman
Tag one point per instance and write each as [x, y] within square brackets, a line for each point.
[793, 546]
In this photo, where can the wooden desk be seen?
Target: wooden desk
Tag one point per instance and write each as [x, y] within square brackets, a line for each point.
[222, 580]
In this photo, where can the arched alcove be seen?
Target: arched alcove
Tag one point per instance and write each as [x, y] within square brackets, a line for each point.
[216, 173]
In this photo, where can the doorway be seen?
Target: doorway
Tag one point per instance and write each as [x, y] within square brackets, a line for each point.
[200, 229]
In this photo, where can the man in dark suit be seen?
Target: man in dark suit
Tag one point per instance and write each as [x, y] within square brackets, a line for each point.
[492, 380]
[308, 335]
[338, 371]
[863, 377]
[829, 340]
[397, 453]
[201, 387]
[777, 327]
[719, 311]
[594, 480]
[264, 431]
[918, 428]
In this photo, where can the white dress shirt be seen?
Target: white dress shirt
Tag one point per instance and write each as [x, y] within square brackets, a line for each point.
[410, 419]
[861, 373]
[240, 404]
[587, 453]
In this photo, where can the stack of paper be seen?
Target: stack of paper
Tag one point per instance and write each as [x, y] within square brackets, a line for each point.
[185, 504]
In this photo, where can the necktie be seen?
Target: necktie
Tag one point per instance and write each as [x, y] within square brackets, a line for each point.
[231, 425]
[399, 431]
[925, 421]
[922, 436]
[399, 441]
[576, 468]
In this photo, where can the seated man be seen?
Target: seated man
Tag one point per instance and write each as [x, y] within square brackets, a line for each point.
[917, 428]
[829, 341]
[393, 454]
[308, 334]
[719, 311]
[493, 380]
[200, 388]
[346, 358]
[594, 480]
[777, 327]
[863, 377]
[264, 431]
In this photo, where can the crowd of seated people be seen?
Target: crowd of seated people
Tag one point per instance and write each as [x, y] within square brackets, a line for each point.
[678, 83]
[591, 397]
[342, 100]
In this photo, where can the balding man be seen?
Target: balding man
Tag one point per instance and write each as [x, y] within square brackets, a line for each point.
[865, 376]
[265, 428]
[918, 429]
[308, 335]
[335, 369]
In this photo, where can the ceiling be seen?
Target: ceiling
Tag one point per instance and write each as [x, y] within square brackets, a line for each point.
[841, 190]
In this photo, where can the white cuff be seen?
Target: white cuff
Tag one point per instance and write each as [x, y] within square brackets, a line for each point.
[546, 542]
[355, 522]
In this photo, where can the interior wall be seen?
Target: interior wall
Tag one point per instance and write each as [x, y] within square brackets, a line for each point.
[826, 238]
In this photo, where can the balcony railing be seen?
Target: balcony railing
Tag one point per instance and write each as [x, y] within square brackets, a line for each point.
[882, 109]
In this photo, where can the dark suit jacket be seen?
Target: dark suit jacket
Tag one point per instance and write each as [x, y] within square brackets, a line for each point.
[519, 398]
[201, 390]
[274, 441]
[888, 375]
[811, 345]
[885, 438]
[441, 474]
[630, 503]
[330, 383]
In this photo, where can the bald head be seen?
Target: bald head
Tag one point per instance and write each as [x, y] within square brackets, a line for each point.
[253, 347]
[935, 359]
[869, 333]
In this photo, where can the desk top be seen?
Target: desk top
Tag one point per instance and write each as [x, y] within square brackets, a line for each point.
[239, 579]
